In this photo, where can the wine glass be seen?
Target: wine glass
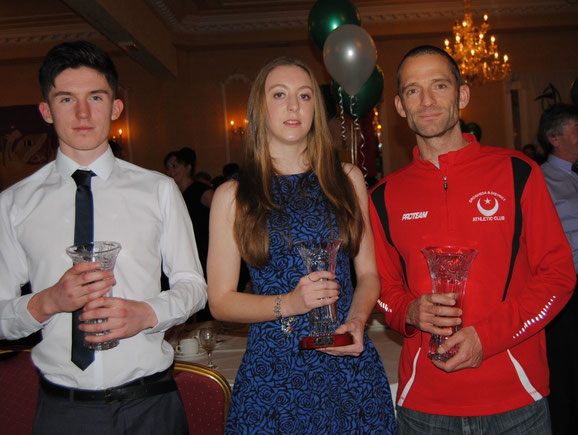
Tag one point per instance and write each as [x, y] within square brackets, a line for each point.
[208, 339]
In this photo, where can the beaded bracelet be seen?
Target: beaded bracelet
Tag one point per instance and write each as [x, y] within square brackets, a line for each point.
[286, 322]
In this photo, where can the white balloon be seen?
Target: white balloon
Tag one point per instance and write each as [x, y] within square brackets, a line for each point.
[349, 55]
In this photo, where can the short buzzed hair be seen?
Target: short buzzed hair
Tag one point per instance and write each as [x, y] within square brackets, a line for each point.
[552, 122]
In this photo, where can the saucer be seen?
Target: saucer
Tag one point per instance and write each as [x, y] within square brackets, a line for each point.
[187, 355]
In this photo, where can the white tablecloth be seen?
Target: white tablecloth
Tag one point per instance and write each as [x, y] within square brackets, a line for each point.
[228, 353]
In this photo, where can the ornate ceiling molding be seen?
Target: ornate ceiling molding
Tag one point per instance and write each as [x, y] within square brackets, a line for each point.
[49, 35]
[263, 16]
[373, 12]
[44, 28]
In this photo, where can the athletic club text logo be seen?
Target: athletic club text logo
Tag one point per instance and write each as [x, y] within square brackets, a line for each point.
[487, 205]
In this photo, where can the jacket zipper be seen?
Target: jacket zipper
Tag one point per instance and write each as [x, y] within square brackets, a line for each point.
[447, 205]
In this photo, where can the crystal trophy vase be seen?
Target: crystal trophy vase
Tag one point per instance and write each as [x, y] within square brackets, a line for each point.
[323, 321]
[104, 253]
[449, 267]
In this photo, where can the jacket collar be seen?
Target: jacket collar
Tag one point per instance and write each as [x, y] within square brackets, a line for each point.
[464, 154]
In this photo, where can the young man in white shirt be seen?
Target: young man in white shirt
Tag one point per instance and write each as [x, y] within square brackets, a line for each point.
[127, 389]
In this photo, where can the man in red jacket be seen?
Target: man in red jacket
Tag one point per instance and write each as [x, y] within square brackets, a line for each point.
[495, 201]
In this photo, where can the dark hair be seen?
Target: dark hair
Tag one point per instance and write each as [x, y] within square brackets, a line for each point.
[552, 122]
[217, 181]
[230, 169]
[430, 49]
[202, 177]
[185, 156]
[168, 156]
[75, 55]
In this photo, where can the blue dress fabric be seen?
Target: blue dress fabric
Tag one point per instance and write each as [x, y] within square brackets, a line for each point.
[280, 389]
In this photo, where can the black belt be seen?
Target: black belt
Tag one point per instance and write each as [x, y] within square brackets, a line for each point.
[142, 387]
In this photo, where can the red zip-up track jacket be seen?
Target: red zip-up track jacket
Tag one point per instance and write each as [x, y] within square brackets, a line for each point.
[494, 200]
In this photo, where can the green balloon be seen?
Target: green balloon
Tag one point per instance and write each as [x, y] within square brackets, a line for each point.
[327, 15]
[366, 98]
[474, 129]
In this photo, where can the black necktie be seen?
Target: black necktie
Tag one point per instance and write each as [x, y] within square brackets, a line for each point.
[83, 233]
[575, 167]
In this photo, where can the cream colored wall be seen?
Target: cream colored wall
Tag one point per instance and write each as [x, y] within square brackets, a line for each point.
[202, 108]
[489, 107]
[146, 113]
[166, 113]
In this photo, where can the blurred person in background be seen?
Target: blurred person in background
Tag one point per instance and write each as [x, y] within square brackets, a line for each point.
[558, 135]
[532, 151]
[180, 166]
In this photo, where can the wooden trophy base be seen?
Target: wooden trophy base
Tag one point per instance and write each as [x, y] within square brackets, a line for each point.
[318, 342]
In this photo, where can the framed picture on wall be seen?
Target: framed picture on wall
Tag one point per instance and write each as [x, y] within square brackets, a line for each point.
[26, 142]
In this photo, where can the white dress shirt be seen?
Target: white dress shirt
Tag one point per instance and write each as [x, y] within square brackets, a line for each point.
[563, 186]
[143, 211]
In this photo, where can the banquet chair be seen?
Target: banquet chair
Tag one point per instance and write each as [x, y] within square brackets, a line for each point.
[18, 390]
[206, 395]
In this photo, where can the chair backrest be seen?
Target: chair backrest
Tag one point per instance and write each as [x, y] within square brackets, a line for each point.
[18, 391]
[206, 395]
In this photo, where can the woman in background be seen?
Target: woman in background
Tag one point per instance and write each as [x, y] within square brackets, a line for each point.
[180, 166]
[292, 187]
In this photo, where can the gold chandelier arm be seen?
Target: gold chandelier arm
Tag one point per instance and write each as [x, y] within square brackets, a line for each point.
[478, 60]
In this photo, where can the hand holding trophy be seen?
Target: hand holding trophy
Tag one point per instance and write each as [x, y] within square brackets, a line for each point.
[323, 321]
[104, 253]
[449, 267]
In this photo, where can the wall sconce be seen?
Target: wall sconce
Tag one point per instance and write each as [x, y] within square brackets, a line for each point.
[118, 138]
[240, 130]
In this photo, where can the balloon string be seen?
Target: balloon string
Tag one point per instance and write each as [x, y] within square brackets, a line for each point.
[352, 102]
[353, 143]
[358, 128]
[342, 118]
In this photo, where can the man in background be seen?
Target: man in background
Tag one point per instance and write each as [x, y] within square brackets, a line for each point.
[531, 151]
[88, 194]
[558, 135]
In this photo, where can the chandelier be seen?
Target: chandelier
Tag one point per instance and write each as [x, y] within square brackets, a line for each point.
[478, 60]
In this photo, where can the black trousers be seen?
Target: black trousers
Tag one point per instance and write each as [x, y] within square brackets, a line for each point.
[154, 415]
[562, 350]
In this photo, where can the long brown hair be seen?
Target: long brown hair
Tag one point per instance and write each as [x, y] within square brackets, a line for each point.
[255, 188]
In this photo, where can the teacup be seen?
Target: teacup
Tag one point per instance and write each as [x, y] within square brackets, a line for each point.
[188, 346]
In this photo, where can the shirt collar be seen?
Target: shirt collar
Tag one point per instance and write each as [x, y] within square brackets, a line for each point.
[102, 166]
[559, 163]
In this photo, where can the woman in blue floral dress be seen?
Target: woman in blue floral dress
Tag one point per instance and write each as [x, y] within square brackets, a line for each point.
[292, 187]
